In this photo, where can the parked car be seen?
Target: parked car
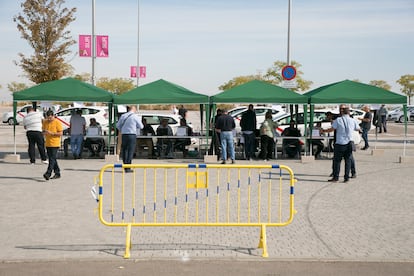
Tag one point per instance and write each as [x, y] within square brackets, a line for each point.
[397, 115]
[260, 111]
[319, 116]
[154, 120]
[20, 114]
[99, 113]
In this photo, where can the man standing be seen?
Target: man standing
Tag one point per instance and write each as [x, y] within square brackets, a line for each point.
[382, 118]
[129, 125]
[52, 129]
[344, 127]
[248, 126]
[77, 130]
[33, 125]
[225, 124]
[366, 125]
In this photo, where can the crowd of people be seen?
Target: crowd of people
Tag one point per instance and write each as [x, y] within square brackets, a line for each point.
[135, 134]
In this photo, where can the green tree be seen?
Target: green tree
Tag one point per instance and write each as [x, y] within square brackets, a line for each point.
[116, 85]
[239, 80]
[407, 86]
[380, 83]
[16, 86]
[274, 75]
[43, 24]
[85, 77]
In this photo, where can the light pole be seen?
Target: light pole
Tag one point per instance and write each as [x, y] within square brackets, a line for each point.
[138, 47]
[93, 43]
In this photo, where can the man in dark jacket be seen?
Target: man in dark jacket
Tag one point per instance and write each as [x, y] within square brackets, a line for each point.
[248, 127]
[225, 124]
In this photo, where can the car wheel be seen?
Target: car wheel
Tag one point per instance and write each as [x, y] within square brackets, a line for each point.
[10, 121]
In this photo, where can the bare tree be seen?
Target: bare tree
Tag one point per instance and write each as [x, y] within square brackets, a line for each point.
[43, 24]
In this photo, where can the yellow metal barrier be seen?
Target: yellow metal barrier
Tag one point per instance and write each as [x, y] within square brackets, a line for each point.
[196, 195]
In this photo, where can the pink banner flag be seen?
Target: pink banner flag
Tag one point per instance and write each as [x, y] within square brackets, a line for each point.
[102, 46]
[142, 71]
[133, 71]
[85, 47]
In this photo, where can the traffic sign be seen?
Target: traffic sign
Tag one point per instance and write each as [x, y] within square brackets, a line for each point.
[288, 72]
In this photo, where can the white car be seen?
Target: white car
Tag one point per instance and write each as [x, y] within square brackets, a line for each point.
[20, 114]
[99, 113]
[397, 115]
[155, 119]
[319, 116]
[260, 111]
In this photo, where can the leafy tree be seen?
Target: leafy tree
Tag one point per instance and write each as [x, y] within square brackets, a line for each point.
[116, 85]
[239, 80]
[83, 77]
[16, 86]
[407, 86]
[43, 24]
[380, 83]
[274, 75]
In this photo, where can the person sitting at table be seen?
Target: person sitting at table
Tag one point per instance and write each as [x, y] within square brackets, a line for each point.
[94, 142]
[145, 139]
[183, 130]
[316, 139]
[291, 146]
[164, 130]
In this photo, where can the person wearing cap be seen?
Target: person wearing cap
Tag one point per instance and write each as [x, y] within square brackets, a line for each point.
[129, 125]
[52, 130]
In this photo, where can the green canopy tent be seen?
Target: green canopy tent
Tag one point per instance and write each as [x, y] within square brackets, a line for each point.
[351, 92]
[257, 91]
[163, 92]
[68, 89]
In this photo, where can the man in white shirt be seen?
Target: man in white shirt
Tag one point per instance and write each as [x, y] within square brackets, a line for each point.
[77, 130]
[33, 125]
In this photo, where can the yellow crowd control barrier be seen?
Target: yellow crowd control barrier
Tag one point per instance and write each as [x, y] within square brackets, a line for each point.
[196, 195]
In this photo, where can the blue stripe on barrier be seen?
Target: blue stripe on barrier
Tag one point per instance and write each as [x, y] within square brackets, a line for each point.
[196, 195]
[275, 166]
[143, 209]
[175, 201]
[238, 183]
[186, 197]
[228, 186]
[292, 190]
[202, 166]
[206, 192]
[100, 190]
[192, 166]
[133, 212]
[165, 203]
[218, 189]
[123, 215]
[112, 217]
[117, 165]
[155, 206]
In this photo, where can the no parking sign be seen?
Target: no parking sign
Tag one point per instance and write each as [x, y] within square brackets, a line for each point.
[288, 72]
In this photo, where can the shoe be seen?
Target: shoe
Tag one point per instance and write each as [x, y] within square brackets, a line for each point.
[56, 176]
[346, 180]
[365, 148]
[334, 180]
[331, 175]
[45, 162]
[128, 170]
[353, 176]
[223, 162]
[232, 161]
[46, 176]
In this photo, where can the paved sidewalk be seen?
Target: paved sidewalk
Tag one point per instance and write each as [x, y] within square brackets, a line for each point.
[364, 224]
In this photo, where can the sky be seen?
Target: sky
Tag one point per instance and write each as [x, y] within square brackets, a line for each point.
[202, 44]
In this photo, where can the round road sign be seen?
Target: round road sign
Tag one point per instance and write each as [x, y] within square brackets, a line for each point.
[288, 72]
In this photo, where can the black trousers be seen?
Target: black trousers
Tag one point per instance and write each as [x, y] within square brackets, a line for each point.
[36, 138]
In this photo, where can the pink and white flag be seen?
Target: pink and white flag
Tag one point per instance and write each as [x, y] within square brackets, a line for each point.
[102, 46]
[85, 45]
[133, 71]
[142, 71]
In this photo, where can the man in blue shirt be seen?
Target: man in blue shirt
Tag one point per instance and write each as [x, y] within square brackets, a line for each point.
[344, 127]
[129, 125]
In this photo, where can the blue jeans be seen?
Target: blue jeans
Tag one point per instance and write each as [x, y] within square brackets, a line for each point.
[128, 147]
[365, 137]
[53, 165]
[249, 145]
[76, 141]
[227, 141]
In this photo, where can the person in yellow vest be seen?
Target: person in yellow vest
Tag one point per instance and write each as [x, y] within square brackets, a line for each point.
[52, 130]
